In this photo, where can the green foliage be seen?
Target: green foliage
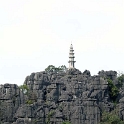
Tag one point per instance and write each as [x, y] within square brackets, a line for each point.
[50, 68]
[120, 80]
[31, 96]
[38, 120]
[66, 122]
[24, 88]
[63, 68]
[113, 90]
[111, 118]
[50, 114]
[29, 102]
[54, 69]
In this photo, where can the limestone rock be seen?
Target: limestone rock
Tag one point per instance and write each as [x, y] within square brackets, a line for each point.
[56, 97]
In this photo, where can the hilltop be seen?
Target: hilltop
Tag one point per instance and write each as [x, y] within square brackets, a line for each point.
[63, 97]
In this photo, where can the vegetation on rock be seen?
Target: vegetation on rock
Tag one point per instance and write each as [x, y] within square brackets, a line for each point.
[66, 122]
[66, 98]
[50, 114]
[111, 118]
[24, 88]
[120, 80]
[29, 102]
[113, 90]
[54, 69]
[31, 96]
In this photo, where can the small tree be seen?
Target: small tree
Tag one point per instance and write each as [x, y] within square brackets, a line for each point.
[54, 69]
[111, 118]
[50, 68]
[24, 88]
[63, 68]
[120, 80]
[113, 90]
[50, 114]
[66, 122]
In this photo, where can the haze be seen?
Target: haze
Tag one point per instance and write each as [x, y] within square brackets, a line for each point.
[38, 33]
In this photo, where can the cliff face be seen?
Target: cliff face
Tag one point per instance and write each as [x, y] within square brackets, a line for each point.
[57, 97]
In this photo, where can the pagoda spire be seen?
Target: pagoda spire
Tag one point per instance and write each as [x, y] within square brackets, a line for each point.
[71, 57]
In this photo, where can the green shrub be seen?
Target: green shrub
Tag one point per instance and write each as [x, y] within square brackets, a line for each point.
[29, 102]
[111, 118]
[50, 114]
[54, 69]
[24, 88]
[120, 80]
[113, 90]
[66, 122]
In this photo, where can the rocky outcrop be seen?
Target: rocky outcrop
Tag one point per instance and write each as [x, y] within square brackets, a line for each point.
[57, 97]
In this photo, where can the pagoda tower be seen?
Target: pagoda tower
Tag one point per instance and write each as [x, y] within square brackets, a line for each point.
[71, 57]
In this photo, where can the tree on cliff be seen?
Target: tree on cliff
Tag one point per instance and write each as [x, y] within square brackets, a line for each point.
[111, 118]
[54, 69]
[24, 88]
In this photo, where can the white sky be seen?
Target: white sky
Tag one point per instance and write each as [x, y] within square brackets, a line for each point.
[38, 33]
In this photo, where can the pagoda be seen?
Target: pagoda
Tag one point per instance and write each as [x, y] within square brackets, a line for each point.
[71, 58]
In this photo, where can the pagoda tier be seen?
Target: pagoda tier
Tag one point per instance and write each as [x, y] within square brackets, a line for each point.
[71, 57]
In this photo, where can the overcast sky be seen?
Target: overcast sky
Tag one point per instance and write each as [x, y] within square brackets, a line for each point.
[38, 33]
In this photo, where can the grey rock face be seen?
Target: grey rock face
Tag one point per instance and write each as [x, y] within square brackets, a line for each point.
[56, 97]
[10, 99]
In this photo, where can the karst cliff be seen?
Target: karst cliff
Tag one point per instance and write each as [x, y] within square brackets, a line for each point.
[64, 97]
